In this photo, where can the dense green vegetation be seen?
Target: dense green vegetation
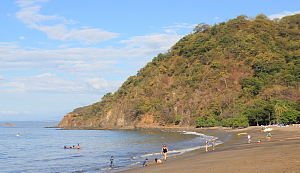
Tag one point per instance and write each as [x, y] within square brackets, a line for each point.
[245, 71]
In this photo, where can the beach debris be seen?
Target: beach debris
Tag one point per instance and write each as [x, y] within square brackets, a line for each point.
[242, 133]
[268, 129]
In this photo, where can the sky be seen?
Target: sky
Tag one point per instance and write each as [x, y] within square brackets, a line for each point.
[58, 55]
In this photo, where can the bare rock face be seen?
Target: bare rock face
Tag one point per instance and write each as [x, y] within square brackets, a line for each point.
[110, 121]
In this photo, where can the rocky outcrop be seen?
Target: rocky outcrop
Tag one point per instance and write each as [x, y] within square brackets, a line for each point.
[9, 125]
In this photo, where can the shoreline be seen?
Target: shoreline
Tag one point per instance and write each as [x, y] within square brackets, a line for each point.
[214, 131]
[277, 155]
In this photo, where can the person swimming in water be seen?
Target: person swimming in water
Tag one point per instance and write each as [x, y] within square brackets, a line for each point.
[164, 151]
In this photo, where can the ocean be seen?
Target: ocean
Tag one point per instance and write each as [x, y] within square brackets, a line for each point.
[39, 149]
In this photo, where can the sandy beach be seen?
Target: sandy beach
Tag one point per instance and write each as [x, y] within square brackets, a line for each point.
[278, 155]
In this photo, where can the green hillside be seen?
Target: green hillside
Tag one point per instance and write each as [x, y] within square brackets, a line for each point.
[245, 71]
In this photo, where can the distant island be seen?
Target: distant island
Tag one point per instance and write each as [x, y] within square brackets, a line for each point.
[9, 125]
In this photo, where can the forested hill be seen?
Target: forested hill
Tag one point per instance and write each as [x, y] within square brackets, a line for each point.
[245, 71]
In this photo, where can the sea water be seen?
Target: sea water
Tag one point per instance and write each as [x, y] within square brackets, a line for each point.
[39, 149]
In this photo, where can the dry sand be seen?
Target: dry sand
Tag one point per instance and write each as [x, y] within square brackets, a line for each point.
[278, 155]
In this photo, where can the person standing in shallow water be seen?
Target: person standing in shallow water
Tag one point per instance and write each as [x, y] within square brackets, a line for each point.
[206, 145]
[112, 161]
[213, 143]
[164, 151]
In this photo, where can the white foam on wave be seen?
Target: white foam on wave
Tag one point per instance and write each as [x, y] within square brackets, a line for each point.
[185, 150]
[198, 134]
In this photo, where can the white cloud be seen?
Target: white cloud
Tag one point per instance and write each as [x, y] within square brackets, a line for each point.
[9, 112]
[80, 68]
[22, 38]
[89, 35]
[97, 83]
[174, 29]
[76, 70]
[29, 14]
[14, 112]
[182, 25]
[89, 59]
[170, 31]
[63, 46]
[48, 82]
[152, 42]
[281, 15]
[45, 75]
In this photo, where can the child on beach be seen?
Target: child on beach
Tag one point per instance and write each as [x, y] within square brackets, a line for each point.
[213, 143]
[112, 161]
[268, 136]
[145, 163]
[206, 145]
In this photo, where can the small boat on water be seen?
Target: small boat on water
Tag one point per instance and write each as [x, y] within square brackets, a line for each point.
[18, 134]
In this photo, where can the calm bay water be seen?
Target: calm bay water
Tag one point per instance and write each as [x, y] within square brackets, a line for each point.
[39, 149]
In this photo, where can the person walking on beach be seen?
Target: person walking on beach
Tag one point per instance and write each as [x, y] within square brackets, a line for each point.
[206, 145]
[269, 136]
[164, 151]
[249, 138]
[213, 143]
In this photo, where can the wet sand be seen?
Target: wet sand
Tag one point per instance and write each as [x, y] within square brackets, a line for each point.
[281, 154]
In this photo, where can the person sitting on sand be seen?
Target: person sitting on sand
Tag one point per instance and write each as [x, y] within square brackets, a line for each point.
[145, 163]
[157, 160]
[269, 136]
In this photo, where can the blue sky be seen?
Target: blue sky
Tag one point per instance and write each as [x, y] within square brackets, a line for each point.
[57, 55]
